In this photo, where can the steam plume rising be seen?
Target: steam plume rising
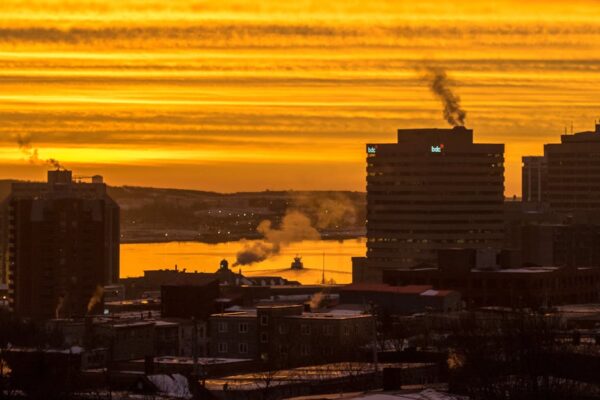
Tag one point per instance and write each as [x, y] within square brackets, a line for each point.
[295, 227]
[26, 147]
[328, 210]
[316, 301]
[59, 306]
[440, 86]
[96, 298]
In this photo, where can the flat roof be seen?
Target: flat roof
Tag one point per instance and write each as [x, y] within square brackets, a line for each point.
[236, 314]
[190, 360]
[336, 314]
[421, 290]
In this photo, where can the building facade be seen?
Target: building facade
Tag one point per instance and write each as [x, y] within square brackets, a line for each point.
[434, 189]
[533, 179]
[62, 242]
[573, 177]
[286, 335]
[530, 287]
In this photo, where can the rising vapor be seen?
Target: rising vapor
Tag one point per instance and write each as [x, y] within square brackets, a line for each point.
[295, 227]
[329, 210]
[95, 299]
[440, 86]
[26, 147]
[59, 306]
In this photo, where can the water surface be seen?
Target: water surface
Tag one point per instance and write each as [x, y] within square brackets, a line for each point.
[335, 255]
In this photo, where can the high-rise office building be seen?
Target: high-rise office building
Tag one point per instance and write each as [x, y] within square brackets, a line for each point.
[533, 179]
[62, 242]
[573, 177]
[434, 189]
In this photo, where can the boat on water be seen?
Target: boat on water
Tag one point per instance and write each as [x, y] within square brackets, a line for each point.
[297, 264]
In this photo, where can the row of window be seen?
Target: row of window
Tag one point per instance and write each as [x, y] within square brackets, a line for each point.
[222, 347]
[305, 349]
[223, 327]
[305, 329]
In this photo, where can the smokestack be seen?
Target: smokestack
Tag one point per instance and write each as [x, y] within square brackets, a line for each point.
[60, 177]
[440, 86]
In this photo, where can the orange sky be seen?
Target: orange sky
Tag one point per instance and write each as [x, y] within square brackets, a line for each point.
[237, 95]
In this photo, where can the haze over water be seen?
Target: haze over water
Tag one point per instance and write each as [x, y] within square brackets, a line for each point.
[236, 95]
[204, 257]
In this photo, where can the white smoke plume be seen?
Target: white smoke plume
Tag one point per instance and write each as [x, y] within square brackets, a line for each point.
[59, 306]
[330, 210]
[96, 298]
[316, 301]
[294, 227]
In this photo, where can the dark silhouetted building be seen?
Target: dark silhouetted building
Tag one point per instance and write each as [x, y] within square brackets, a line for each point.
[533, 179]
[62, 242]
[573, 180]
[571, 245]
[286, 335]
[434, 189]
[187, 301]
[401, 300]
[531, 287]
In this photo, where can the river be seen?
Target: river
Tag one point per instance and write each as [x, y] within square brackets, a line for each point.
[205, 257]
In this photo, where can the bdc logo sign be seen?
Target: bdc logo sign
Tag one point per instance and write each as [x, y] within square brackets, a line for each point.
[371, 149]
[437, 149]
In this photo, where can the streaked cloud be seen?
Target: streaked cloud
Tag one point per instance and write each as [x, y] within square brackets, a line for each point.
[233, 88]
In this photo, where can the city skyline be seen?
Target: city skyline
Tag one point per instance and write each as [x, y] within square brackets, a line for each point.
[234, 96]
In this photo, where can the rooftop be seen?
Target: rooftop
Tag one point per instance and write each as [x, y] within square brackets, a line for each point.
[190, 360]
[421, 290]
[332, 314]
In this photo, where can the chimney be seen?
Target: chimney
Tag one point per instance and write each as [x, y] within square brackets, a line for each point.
[60, 177]
[598, 127]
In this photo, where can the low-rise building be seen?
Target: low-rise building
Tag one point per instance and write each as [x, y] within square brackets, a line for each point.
[234, 334]
[285, 335]
[401, 300]
[532, 287]
[127, 340]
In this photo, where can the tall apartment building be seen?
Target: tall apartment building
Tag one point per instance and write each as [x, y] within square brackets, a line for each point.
[533, 179]
[62, 242]
[573, 178]
[434, 189]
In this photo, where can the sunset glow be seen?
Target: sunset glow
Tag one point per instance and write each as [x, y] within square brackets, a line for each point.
[237, 95]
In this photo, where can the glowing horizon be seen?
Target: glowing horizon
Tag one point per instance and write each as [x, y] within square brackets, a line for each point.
[232, 95]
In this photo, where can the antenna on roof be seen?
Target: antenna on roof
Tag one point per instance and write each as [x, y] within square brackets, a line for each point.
[323, 275]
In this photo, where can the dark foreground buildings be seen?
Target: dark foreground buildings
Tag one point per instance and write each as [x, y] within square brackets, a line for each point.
[60, 243]
[567, 177]
[434, 189]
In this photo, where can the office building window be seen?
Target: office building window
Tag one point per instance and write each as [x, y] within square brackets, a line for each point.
[243, 348]
[305, 329]
[264, 320]
[222, 347]
[243, 327]
[305, 350]
[264, 337]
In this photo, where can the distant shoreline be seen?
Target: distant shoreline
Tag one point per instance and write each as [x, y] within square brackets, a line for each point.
[204, 241]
